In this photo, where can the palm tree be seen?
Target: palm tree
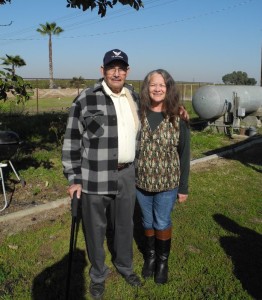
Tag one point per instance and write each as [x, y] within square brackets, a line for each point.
[13, 61]
[50, 29]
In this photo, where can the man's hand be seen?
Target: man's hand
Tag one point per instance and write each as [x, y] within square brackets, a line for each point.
[75, 188]
[183, 113]
[182, 198]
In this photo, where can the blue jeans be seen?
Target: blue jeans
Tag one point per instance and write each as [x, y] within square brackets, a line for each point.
[156, 208]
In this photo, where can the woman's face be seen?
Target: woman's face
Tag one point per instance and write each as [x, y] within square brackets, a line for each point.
[157, 91]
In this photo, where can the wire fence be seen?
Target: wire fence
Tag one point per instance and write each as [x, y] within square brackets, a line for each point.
[72, 87]
[64, 91]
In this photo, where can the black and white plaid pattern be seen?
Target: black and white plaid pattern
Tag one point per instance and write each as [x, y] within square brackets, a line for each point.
[90, 149]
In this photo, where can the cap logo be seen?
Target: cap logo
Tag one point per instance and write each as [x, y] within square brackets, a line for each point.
[117, 53]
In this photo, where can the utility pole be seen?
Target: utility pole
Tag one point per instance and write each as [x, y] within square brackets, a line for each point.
[261, 68]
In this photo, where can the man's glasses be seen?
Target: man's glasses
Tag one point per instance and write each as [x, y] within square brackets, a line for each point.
[113, 70]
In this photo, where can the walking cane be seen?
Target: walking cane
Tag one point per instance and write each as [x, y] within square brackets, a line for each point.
[74, 205]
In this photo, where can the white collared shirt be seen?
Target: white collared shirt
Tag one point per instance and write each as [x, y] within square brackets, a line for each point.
[125, 126]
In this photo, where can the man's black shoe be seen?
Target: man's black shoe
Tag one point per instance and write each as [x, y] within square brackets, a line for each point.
[97, 289]
[133, 280]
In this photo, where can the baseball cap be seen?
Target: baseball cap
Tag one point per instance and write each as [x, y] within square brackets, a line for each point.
[115, 54]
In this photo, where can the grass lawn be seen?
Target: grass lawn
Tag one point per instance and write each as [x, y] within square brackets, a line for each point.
[216, 245]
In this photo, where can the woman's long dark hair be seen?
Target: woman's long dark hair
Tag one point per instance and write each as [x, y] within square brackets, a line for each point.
[171, 102]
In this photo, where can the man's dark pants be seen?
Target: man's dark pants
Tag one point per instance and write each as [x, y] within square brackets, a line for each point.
[95, 223]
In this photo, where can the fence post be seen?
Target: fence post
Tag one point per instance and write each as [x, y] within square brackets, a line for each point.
[37, 96]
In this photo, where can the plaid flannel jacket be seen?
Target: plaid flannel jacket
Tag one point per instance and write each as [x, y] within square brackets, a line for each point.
[90, 148]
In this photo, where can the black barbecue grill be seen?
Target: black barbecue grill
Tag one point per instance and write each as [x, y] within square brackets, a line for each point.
[9, 144]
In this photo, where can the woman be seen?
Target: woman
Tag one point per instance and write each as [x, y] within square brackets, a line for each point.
[162, 168]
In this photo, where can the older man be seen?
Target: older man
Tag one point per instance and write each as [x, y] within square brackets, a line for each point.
[98, 154]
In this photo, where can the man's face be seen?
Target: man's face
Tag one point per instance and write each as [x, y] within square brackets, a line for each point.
[115, 75]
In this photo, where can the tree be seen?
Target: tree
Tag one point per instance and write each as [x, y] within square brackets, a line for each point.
[91, 4]
[13, 61]
[4, 1]
[238, 78]
[50, 29]
[77, 82]
[10, 83]
[102, 4]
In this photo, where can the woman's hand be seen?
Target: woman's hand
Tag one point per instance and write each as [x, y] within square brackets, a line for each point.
[182, 198]
[183, 113]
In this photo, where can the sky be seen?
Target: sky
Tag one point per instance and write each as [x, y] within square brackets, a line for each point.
[194, 40]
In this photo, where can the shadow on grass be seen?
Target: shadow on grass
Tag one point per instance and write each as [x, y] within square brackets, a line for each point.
[245, 249]
[36, 132]
[249, 155]
[51, 283]
[234, 146]
[28, 127]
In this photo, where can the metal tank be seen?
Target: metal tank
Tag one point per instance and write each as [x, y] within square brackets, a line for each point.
[212, 102]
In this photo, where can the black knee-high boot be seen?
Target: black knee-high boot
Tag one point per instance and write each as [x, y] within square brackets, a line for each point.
[162, 245]
[150, 254]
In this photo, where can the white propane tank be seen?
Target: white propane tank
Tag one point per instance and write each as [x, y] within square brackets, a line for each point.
[212, 101]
